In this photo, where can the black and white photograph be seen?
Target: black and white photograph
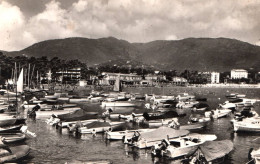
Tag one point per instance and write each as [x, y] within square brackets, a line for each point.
[130, 81]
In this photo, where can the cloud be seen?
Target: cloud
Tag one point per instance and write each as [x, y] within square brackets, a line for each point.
[80, 5]
[171, 37]
[12, 22]
[257, 43]
[135, 21]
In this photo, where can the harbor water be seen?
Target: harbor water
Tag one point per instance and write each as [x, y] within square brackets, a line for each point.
[55, 145]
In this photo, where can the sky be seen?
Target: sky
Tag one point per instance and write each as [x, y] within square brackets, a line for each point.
[25, 22]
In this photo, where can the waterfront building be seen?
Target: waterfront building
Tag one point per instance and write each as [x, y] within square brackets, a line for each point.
[215, 77]
[238, 74]
[179, 80]
[127, 79]
[155, 77]
[73, 74]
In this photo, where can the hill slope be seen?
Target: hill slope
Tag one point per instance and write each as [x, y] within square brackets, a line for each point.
[203, 54]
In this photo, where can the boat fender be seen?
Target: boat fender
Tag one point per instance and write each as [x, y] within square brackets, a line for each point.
[110, 129]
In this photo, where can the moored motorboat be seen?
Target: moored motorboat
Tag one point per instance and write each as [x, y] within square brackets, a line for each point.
[6, 120]
[254, 156]
[158, 122]
[117, 104]
[199, 118]
[182, 146]
[46, 114]
[200, 107]
[192, 126]
[78, 115]
[11, 128]
[72, 123]
[14, 154]
[247, 125]
[212, 152]
[228, 105]
[99, 127]
[148, 139]
[119, 135]
[232, 95]
[12, 137]
[218, 113]
[78, 100]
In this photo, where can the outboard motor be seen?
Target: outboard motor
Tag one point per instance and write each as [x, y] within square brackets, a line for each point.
[160, 148]
[146, 116]
[32, 114]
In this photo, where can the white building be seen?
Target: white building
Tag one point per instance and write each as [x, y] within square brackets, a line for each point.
[110, 78]
[179, 80]
[239, 73]
[156, 77]
[214, 77]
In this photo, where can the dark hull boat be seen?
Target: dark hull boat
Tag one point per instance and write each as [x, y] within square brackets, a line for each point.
[78, 115]
[12, 128]
[12, 137]
[156, 116]
[13, 154]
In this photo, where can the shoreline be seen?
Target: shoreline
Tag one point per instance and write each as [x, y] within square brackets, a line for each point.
[227, 86]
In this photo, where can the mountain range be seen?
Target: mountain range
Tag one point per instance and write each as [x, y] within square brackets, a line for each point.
[202, 54]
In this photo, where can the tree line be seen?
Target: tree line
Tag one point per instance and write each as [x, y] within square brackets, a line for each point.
[43, 65]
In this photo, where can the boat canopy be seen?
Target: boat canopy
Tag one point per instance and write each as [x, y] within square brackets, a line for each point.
[201, 105]
[216, 149]
[78, 115]
[236, 101]
[163, 133]
[97, 124]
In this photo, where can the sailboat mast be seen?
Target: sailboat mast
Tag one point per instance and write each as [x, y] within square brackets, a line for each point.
[32, 72]
[28, 77]
[37, 78]
[16, 101]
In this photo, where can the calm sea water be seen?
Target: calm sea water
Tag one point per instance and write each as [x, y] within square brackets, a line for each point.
[58, 146]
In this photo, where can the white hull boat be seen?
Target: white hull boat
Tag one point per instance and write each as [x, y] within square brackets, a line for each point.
[148, 139]
[119, 135]
[103, 127]
[219, 113]
[71, 123]
[63, 99]
[117, 104]
[46, 114]
[255, 154]
[183, 146]
[247, 125]
[228, 105]
[29, 106]
[79, 100]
